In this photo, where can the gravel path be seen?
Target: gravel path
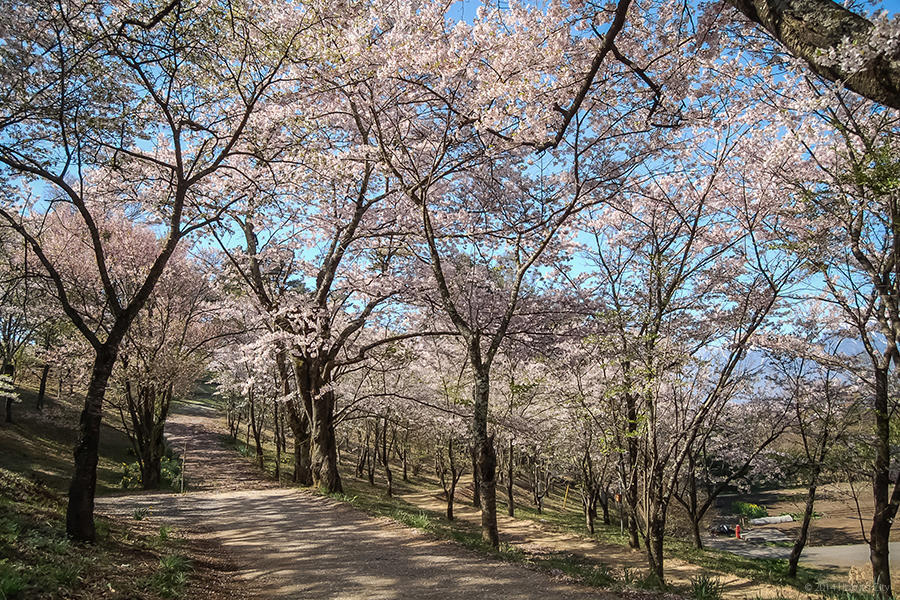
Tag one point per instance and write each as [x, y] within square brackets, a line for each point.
[293, 544]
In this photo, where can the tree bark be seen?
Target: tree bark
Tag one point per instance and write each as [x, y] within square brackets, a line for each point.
[510, 482]
[323, 450]
[276, 423]
[693, 512]
[487, 460]
[808, 29]
[631, 488]
[794, 559]
[885, 510]
[80, 510]
[476, 483]
[9, 370]
[42, 388]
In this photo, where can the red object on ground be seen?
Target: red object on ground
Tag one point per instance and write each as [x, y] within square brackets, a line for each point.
[737, 531]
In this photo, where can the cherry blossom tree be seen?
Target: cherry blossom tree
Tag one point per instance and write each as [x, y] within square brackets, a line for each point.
[135, 108]
[842, 225]
[163, 355]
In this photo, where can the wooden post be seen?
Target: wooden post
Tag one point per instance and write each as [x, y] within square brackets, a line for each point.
[183, 461]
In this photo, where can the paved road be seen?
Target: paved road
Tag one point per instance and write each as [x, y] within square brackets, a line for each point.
[824, 557]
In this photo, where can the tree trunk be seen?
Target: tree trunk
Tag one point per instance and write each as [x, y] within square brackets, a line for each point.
[406, 455]
[656, 525]
[9, 370]
[323, 450]
[277, 424]
[299, 424]
[809, 29]
[257, 426]
[693, 512]
[476, 483]
[631, 488]
[879, 537]
[487, 460]
[590, 513]
[386, 458]
[450, 494]
[151, 462]
[42, 388]
[80, 509]
[804, 527]
[604, 504]
[510, 482]
[655, 548]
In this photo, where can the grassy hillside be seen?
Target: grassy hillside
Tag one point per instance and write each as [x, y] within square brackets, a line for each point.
[38, 561]
[132, 558]
[38, 444]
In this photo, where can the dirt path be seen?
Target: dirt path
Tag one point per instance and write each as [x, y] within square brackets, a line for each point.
[293, 544]
[196, 433]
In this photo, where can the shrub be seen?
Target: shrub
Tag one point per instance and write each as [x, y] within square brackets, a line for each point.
[749, 510]
[170, 470]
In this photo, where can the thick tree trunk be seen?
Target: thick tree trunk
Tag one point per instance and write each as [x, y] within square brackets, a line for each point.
[656, 525]
[487, 460]
[80, 510]
[42, 388]
[151, 464]
[655, 548]
[302, 467]
[476, 482]
[318, 401]
[299, 424]
[298, 421]
[810, 28]
[879, 537]
[323, 450]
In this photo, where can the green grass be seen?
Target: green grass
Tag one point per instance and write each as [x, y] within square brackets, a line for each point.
[38, 560]
[170, 578]
[373, 501]
[760, 570]
[704, 587]
[38, 444]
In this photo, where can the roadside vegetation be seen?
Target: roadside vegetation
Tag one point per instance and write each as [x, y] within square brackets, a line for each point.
[37, 560]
